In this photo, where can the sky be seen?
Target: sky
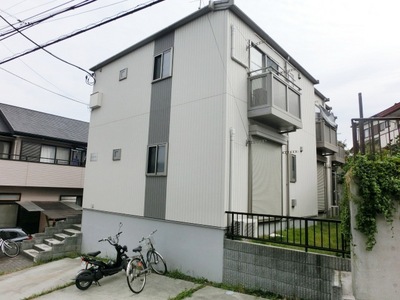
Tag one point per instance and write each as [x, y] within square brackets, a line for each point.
[350, 46]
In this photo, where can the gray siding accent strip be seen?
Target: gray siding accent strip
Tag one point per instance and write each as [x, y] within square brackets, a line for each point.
[160, 111]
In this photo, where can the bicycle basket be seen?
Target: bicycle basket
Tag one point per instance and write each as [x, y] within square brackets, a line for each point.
[145, 244]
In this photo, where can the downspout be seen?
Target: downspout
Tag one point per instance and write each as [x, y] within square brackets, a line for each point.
[231, 145]
[287, 178]
[250, 177]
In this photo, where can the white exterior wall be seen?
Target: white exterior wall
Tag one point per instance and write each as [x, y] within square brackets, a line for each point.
[304, 190]
[199, 140]
[181, 245]
[120, 123]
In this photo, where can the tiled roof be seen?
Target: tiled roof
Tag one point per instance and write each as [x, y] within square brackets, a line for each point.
[392, 111]
[22, 121]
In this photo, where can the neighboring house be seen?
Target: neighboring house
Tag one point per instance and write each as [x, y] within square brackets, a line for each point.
[206, 116]
[42, 159]
[383, 132]
[330, 156]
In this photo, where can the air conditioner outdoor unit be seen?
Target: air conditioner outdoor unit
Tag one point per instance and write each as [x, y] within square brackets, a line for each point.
[246, 228]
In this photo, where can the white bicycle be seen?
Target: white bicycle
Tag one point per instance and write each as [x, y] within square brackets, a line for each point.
[9, 248]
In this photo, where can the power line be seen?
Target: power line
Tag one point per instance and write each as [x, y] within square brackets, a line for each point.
[88, 11]
[80, 31]
[39, 86]
[37, 73]
[28, 24]
[48, 52]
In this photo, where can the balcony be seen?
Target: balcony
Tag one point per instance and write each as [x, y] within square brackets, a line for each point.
[326, 136]
[339, 158]
[274, 101]
[33, 174]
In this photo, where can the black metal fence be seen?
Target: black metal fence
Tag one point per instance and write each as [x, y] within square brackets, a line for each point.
[306, 233]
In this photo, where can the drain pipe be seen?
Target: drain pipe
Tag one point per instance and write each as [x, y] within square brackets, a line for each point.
[231, 145]
[287, 178]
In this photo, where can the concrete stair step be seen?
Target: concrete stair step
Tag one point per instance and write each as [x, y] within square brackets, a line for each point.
[71, 231]
[61, 236]
[53, 241]
[31, 253]
[76, 227]
[42, 247]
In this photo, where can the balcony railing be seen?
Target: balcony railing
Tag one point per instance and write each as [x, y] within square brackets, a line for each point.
[340, 156]
[46, 160]
[375, 135]
[307, 233]
[274, 101]
[326, 137]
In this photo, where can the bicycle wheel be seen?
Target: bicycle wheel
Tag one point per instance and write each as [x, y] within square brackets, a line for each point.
[10, 248]
[156, 262]
[135, 275]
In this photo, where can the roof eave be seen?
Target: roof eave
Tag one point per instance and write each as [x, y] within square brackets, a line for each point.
[200, 13]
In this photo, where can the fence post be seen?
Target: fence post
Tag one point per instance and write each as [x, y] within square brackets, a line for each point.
[306, 232]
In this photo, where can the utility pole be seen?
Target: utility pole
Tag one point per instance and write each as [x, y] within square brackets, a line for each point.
[361, 124]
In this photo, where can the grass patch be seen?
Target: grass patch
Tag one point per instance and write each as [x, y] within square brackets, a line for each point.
[203, 282]
[320, 236]
[60, 287]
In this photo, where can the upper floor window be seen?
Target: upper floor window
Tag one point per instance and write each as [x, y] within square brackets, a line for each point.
[157, 160]
[4, 150]
[163, 65]
[52, 154]
[259, 61]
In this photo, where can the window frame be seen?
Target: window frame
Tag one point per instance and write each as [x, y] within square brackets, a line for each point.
[293, 168]
[156, 160]
[160, 73]
[5, 155]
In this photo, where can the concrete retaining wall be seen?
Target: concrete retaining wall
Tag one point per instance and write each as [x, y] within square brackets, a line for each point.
[281, 271]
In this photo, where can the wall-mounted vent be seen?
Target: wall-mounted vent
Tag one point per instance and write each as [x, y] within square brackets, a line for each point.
[96, 100]
[123, 74]
[116, 154]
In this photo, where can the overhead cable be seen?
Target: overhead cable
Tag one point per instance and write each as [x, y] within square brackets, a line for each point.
[48, 52]
[39, 86]
[80, 31]
[25, 24]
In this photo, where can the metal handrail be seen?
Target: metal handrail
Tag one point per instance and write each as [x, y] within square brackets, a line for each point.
[307, 233]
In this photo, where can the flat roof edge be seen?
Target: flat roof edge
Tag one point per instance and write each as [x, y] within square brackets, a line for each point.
[236, 10]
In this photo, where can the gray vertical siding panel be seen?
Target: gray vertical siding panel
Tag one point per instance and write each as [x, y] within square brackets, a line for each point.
[160, 111]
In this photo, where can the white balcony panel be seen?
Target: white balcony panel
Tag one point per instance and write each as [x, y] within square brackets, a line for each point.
[274, 102]
[28, 174]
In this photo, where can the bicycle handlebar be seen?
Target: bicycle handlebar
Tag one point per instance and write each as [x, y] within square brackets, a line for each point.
[111, 240]
[144, 238]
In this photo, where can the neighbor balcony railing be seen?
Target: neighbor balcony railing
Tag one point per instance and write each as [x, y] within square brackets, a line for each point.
[375, 135]
[307, 233]
[46, 160]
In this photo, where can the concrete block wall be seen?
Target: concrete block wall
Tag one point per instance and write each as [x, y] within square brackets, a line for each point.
[290, 273]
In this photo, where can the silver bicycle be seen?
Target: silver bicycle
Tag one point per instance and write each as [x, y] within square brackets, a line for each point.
[138, 266]
[9, 248]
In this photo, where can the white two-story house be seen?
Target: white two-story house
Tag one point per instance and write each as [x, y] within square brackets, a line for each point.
[206, 116]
